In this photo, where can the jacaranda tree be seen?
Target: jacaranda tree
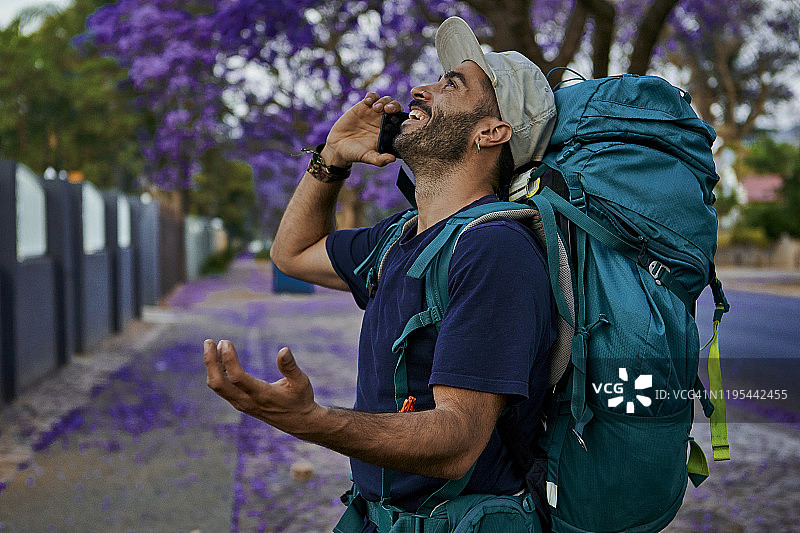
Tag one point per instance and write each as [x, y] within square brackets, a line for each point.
[262, 79]
[739, 60]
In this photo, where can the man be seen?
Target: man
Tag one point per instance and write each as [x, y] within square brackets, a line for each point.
[487, 115]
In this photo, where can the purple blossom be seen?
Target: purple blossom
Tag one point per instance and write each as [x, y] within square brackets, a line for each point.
[262, 79]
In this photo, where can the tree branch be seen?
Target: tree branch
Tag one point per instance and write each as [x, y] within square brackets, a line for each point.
[427, 14]
[724, 53]
[511, 22]
[603, 13]
[757, 108]
[650, 29]
[570, 44]
[702, 94]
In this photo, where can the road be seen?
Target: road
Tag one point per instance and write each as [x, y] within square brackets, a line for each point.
[759, 344]
[760, 350]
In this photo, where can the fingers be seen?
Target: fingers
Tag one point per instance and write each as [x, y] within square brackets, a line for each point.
[217, 378]
[213, 363]
[233, 369]
[382, 104]
[288, 366]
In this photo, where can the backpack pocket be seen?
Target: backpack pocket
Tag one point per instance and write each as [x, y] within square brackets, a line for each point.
[631, 477]
[480, 513]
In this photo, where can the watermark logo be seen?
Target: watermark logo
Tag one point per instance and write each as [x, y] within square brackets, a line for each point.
[641, 383]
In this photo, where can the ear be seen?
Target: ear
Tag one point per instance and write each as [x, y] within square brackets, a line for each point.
[493, 132]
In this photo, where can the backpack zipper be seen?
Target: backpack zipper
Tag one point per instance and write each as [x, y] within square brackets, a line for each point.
[631, 233]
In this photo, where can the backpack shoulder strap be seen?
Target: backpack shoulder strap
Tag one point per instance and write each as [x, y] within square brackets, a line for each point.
[434, 263]
[373, 264]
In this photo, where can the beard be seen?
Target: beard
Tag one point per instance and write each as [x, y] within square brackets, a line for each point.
[442, 142]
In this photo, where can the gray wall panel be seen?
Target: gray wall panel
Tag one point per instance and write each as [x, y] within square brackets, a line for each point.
[95, 299]
[35, 327]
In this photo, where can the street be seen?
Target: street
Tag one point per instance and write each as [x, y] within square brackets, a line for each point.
[129, 438]
[759, 347]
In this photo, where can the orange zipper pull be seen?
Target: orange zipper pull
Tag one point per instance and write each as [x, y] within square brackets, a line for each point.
[408, 404]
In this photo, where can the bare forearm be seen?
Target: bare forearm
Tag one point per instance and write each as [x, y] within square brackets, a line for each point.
[436, 443]
[309, 217]
[441, 442]
[299, 246]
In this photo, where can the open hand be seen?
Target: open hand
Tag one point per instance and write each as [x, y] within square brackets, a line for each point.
[284, 404]
[354, 137]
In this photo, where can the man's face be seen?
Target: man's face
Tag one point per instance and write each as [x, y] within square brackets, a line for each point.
[444, 116]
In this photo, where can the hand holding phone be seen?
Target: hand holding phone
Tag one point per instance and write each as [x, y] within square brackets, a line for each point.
[390, 128]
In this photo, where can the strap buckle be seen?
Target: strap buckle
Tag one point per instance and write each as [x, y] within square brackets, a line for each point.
[372, 282]
[435, 315]
[657, 269]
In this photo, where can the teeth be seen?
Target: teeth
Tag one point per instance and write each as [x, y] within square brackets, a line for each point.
[416, 114]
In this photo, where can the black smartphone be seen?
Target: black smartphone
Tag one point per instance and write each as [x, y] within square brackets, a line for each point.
[390, 127]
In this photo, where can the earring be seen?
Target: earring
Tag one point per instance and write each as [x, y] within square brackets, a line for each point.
[478, 142]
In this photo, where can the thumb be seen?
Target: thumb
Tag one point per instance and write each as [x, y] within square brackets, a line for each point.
[378, 159]
[288, 366]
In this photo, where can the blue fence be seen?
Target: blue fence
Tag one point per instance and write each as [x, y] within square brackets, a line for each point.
[77, 265]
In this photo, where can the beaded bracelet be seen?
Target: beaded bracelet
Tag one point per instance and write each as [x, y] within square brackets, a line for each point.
[322, 172]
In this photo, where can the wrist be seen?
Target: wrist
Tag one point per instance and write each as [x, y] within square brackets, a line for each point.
[330, 157]
[309, 424]
[323, 170]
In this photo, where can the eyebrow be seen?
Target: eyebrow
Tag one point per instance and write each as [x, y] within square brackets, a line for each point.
[457, 75]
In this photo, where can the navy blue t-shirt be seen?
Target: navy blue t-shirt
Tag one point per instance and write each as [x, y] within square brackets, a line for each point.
[495, 337]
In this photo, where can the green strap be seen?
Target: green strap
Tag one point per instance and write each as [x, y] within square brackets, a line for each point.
[632, 252]
[372, 262]
[587, 224]
[450, 232]
[698, 464]
[560, 414]
[702, 395]
[719, 424]
[426, 257]
[352, 521]
[387, 513]
[448, 491]
[431, 316]
[580, 346]
[551, 236]
[437, 293]
[388, 235]
[451, 489]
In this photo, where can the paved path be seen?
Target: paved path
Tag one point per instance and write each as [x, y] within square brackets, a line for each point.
[128, 438]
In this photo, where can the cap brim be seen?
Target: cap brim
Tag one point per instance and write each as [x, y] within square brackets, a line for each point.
[456, 43]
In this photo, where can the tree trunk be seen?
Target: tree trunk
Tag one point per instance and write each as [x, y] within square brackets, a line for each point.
[650, 29]
[351, 214]
[513, 31]
[603, 13]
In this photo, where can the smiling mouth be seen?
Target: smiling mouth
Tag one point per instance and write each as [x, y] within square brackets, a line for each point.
[416, 114]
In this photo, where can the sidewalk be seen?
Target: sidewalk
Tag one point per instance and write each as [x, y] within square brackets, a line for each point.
[129, 438]
[780, 282]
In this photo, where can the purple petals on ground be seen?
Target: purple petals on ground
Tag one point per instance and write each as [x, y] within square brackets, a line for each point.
[157, 407]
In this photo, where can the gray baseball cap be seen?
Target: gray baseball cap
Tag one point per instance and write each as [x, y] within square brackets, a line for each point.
[523, 94]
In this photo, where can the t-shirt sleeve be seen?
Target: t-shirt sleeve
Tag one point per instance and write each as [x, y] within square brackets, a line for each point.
[348, 248]
[497, 326]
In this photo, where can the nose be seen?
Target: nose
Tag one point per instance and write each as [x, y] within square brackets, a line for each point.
[421, 92]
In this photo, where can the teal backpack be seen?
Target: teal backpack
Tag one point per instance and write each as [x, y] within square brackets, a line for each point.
[622, 203]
